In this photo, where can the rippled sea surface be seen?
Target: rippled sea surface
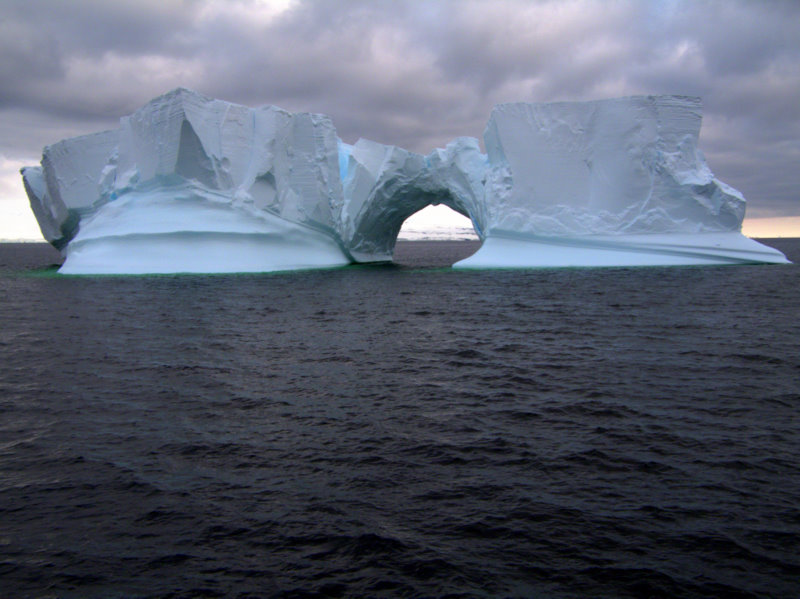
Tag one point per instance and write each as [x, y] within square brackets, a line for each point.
[400, 431]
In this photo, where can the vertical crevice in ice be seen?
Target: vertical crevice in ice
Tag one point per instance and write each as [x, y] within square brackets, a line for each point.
[192, 162]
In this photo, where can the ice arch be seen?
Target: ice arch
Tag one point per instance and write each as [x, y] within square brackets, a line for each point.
[384, 185]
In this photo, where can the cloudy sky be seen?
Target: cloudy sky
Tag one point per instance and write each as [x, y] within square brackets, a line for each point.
[410, 73]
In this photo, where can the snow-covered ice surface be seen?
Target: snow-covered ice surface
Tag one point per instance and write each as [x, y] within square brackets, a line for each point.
[192, 184]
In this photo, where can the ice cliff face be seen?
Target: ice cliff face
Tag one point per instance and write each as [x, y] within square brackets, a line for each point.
[628, 166]
[192, 184]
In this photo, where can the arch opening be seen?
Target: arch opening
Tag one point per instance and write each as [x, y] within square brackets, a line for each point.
[435, 223]
[385, 185]
[379, 224]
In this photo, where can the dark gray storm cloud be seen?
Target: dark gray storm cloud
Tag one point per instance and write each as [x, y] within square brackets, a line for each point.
[414, 74]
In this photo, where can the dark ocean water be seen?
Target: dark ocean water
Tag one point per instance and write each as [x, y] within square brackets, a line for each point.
[400, 431]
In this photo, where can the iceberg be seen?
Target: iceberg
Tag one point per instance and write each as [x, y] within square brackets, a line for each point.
[193, 184]
[617, 182]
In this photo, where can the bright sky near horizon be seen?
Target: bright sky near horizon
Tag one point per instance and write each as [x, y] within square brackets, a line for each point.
[414, 74]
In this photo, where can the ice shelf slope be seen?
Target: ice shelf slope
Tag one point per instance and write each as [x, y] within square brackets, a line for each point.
[192, 184]
[604, 183]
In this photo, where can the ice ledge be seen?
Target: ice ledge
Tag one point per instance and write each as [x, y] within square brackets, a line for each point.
[188, 230]
[206, 252]
[507, 249]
